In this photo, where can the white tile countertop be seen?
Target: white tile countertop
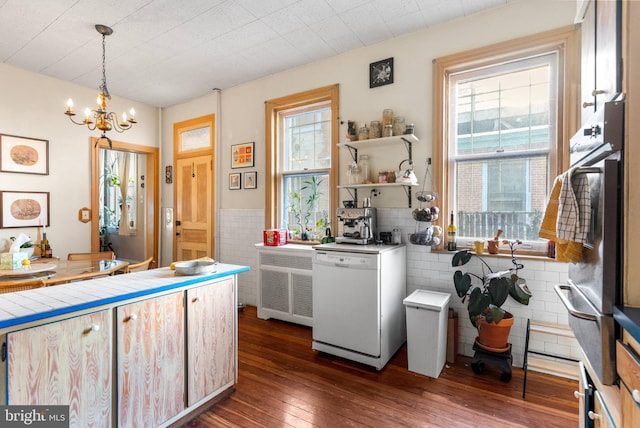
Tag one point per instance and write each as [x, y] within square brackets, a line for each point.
[32, 305]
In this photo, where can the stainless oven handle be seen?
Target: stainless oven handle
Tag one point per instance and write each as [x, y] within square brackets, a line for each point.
[572, 310]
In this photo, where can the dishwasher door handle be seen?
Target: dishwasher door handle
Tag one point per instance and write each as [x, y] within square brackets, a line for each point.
[341, 265]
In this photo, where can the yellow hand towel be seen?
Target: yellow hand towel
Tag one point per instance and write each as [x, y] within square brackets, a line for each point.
[548, 226]
[566, 251]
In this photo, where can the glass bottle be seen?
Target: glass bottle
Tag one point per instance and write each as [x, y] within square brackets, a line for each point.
[387, 117]
[451, 235]
[44, 245]
[364, 169]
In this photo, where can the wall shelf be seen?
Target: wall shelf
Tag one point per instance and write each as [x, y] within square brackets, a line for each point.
[407, 139]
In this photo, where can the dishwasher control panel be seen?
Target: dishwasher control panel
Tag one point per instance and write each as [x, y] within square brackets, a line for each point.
[344, 259]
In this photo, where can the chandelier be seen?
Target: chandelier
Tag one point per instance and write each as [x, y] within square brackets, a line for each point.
[101, 118]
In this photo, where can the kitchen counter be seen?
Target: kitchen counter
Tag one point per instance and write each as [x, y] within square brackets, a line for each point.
[97, 345]
[33, 305]
[297, 247]
[355, 248]
[629, 319]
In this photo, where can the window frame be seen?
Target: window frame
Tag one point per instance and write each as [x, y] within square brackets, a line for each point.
[274, 152]
[564, 40]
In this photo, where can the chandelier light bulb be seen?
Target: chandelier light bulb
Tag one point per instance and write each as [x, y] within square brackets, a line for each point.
[132, 113]
[87, 112]
[70, 104]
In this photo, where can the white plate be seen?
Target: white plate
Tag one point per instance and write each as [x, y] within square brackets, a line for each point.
[34, 268]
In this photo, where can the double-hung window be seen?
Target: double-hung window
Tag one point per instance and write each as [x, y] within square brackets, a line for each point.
[504, 130]
[301, 135]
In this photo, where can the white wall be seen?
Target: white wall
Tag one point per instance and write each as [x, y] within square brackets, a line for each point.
[33, 105]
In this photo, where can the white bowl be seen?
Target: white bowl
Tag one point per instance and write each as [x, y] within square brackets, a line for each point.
[195, 267]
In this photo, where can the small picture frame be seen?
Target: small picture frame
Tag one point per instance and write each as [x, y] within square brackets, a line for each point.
[234, 181]
[251, 180]
[23, 209]
[168, 174]
[24, 155]
[242, 155]
[381, 73]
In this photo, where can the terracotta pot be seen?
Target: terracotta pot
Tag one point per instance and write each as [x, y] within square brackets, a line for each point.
[494, 335]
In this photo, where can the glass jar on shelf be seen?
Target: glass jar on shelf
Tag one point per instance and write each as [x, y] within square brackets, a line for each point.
[363, 134]
[364, 169]
[353, 173]
[388, 131]
[387, 117]
[398, 125]
[375, 129]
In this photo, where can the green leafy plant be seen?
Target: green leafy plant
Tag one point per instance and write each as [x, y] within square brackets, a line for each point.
[486, 293]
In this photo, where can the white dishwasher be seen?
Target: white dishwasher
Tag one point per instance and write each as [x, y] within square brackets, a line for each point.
[358, 291]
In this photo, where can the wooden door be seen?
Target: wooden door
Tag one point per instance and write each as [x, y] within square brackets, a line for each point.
[150, 364]
[64, 363]
[194, 214]
[194, 188]
[211, 321]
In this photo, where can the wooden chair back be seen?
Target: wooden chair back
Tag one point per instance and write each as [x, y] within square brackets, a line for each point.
[11, 286]
[143, 265]
[100, 255]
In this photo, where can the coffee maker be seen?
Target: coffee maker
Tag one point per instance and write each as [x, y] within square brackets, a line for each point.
[357, 225]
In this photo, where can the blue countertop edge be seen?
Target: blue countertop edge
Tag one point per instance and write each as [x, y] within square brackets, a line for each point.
[629, 319]
[100, 302]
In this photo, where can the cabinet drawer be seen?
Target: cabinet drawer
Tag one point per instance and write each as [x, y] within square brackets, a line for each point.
[628, 365]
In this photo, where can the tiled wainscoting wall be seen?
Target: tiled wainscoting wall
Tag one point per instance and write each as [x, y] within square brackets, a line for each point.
[240, 230]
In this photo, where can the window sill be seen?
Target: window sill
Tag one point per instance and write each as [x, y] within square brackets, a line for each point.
[521, 255]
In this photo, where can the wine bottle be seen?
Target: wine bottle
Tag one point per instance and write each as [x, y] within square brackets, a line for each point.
[451, 235]
[45, 247]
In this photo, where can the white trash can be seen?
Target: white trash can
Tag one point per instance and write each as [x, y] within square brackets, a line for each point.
[427, 313]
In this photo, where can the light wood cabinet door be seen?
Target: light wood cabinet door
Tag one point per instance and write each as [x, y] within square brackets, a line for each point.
[64, 363]
[211, 324]
[150, 364]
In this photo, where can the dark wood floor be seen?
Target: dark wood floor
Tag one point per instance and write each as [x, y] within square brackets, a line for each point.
[282, 382]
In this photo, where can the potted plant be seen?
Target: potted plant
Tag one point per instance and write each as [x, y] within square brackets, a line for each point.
[486, 293]
[26, 246]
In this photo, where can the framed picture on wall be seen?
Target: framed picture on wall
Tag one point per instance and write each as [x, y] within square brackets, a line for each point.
[24, 155]
[234, 181]
[242, 155]
[23, 209]
[251, 180]
[381, 73]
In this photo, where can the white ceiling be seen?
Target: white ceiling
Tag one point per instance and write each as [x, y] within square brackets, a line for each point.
[165, 52]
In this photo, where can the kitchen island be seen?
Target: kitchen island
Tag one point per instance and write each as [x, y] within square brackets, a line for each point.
[142, 349]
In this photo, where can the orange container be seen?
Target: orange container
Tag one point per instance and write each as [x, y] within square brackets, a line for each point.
[275, 237]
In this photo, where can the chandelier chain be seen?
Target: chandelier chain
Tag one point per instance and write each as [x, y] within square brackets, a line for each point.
[103, 87]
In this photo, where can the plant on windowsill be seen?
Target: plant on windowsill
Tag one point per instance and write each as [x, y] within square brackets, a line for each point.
[302, 215]
[485, 294]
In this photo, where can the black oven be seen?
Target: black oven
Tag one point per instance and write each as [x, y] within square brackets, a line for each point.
[595, 283]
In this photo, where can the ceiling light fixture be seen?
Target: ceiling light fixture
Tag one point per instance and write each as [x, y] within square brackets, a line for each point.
[100, 118]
